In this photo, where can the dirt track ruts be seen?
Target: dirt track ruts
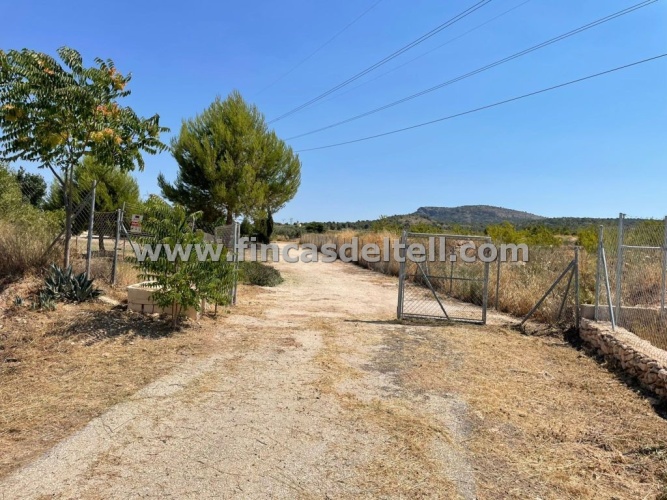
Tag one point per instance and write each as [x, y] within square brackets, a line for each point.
[295, 403]
[313, 390]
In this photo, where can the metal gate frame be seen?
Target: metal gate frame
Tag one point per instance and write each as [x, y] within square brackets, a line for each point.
[423, 270]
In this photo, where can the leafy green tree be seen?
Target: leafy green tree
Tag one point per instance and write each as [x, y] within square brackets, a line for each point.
[246, 228]
[56, 114]
[11, 198]
[218, 153]
[33, 187]
[231, 165]
[504, 233]
[184, 282]
[279, 178]
[588, 239]
[315, 227]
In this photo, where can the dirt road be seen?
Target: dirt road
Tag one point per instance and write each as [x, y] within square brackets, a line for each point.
[315, 391]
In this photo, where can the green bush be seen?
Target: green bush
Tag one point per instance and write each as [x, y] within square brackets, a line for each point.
[424, 227]
[315, 227]
[538, 235]
[256, 273]
[185, 281]
[588, 239]
[26, 232]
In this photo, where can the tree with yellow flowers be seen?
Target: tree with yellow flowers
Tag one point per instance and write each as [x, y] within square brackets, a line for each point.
[56, 113]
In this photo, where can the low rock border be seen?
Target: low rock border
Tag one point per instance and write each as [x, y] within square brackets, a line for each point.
[635, 356]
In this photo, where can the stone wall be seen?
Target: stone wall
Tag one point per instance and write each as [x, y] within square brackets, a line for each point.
[624, 349]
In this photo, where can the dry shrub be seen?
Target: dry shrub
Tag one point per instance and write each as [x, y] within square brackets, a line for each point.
[126, 274]
[101, 269]
[23, 248]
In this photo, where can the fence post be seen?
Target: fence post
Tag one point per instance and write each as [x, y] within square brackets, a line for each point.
[122, 227]
[451, 276]
[608, 288]
[598, 272]
[114, 264]
[485, 291]
[236, 237]
[401, 274]
[619, 268]
[664, 270]
[577, 295]
[91, 222]
[498, 260]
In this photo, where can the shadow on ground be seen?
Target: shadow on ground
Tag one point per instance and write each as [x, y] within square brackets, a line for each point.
[98, 325]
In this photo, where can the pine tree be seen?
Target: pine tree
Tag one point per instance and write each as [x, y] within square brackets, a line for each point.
[231, 165]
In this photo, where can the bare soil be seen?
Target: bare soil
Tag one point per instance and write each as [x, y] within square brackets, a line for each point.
[313, 390]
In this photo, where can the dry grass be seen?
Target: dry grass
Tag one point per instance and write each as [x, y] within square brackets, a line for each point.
[404, 466]
[546, 421]
[23, 251]
[61, 369]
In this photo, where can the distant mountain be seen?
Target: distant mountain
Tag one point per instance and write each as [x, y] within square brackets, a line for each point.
[476, 218]
[476, 215]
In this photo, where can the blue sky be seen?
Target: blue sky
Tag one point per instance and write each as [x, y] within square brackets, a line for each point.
[593, 149]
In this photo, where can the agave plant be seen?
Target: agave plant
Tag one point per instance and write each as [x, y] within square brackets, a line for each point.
[82, 288]
[58, 282]
[63, 284]
[46, 301]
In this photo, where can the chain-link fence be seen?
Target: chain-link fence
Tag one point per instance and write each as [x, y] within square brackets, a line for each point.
[551, 281]
[450, 282]
[75, 229]
[540, 280]
[630, 279]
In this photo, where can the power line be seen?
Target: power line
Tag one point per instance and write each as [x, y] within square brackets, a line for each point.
[393, 55]
[506, 101]
[437, 47]
[485, 68]
[308, 57]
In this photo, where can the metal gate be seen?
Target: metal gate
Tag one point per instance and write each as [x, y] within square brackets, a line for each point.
[442, 277]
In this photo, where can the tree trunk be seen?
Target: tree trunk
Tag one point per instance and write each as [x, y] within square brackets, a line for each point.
[269, 226]
[230, 217]
[101, 241]
[67, 193]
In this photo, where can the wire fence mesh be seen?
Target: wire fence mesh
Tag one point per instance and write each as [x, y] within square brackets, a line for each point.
[514, 286]
[548, 275]
[634, 251]
[451, 282]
